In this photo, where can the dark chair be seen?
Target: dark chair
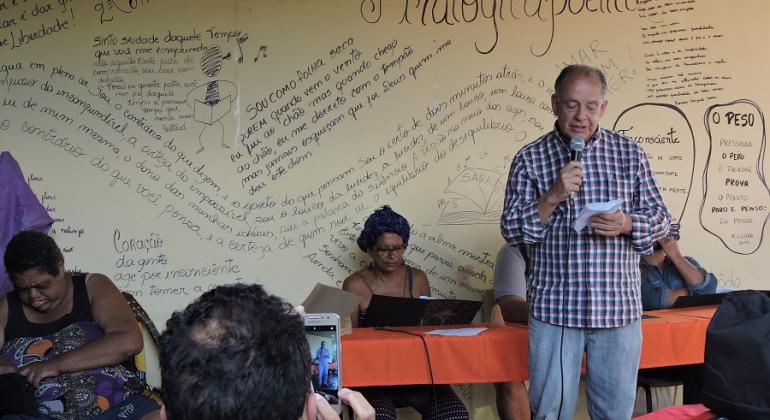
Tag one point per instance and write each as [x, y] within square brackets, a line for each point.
[649, 381]
[689, 376]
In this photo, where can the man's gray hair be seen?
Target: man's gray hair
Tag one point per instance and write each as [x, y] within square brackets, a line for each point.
[579, 70]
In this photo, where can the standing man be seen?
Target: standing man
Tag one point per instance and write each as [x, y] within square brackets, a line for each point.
[584, 289]
[322, 358]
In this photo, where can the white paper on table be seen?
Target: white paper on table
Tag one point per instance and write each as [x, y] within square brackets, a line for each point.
[458, 332]
[592, 209]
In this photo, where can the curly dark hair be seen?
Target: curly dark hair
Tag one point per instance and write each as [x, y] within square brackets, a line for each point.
[236, 352]
[29, 250]
[383, 220]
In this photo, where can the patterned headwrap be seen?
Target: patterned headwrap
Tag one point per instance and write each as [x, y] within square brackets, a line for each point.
[383, 220]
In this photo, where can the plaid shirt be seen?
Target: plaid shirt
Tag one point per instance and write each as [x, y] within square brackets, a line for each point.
[581, 279]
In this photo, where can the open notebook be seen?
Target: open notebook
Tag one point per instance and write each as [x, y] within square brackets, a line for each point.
[387, 311]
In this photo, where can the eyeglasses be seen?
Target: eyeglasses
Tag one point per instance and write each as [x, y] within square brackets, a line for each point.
[385, 251]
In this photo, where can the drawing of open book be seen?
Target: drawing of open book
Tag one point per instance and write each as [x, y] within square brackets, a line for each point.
[476, 196]
[209, 114]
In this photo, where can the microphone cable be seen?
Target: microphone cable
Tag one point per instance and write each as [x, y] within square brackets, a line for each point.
[427, 356]
[561, 340]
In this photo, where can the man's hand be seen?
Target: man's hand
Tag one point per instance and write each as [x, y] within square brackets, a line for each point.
[670, 247]
[323, 410]
[569, 181]
[691, 274]
[317, 404]
[612, 224]
[361, 408]
[37, 371]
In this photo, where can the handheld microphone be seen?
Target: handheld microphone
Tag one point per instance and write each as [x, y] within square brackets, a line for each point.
[576, 146]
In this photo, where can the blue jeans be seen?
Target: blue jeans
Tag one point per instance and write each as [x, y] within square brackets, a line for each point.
[323, 374]
[555, 358]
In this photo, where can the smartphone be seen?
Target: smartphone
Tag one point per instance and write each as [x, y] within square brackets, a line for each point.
[323, 338]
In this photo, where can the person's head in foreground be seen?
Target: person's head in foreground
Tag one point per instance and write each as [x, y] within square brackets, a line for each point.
[237, 352]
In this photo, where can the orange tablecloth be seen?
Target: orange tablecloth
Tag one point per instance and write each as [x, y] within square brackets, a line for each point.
[376, 357]
[675, 336]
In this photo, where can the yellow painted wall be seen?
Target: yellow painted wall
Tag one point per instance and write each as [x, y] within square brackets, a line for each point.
[329, 109]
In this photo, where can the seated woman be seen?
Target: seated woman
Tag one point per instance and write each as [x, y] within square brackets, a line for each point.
[666, 275]
[66, 334]
[384, 237]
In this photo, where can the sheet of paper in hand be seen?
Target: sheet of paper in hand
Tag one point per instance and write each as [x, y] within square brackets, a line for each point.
[592, 209]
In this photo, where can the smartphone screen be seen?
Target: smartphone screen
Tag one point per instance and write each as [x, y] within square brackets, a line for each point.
[322, 333]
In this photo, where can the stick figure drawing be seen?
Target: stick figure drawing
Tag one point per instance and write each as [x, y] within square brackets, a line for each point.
[212, 100]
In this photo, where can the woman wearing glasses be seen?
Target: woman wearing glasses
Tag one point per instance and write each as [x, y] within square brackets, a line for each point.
[384, 237]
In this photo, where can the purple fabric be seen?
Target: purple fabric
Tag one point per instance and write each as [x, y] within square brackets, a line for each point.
[20, 210]
[54, 396]
[70, 395]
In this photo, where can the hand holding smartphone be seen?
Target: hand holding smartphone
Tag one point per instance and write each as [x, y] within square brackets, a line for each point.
[322, 334]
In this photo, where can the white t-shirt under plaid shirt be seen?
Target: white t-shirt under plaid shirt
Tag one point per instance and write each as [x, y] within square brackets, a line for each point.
[582, 279]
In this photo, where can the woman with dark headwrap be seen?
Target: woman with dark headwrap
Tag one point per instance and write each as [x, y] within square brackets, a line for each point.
[384, 237]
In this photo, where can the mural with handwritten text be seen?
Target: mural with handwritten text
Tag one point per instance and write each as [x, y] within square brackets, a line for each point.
[181, 145]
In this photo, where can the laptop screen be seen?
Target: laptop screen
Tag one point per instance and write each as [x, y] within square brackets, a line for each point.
[450, 312]
[698, 300]
[388, 311]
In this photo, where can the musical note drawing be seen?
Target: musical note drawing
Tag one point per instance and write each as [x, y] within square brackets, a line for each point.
[239, 43]
[218, 96]
[263, 51]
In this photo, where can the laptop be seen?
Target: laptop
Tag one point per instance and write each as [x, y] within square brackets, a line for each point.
[450, 311]
[388, 311]
[702, 300]
[699, 300]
